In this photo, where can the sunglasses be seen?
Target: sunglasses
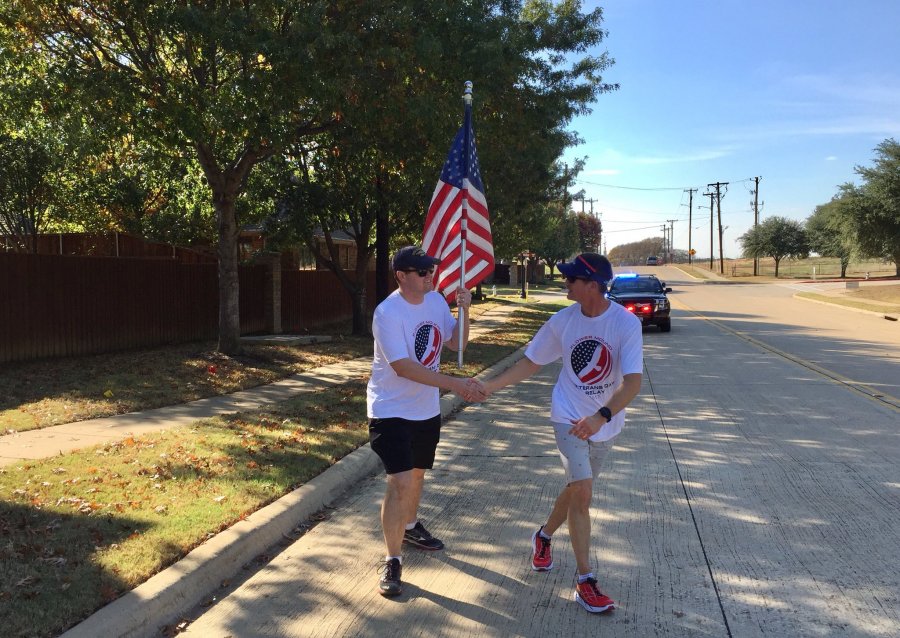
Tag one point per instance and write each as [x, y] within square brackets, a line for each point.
[422, 272]
[572, 279]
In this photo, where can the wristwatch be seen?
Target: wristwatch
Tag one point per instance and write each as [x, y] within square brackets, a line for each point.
[606, 413]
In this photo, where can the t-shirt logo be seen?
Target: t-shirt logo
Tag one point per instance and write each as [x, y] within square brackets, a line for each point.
[428, 344]
[591, 361]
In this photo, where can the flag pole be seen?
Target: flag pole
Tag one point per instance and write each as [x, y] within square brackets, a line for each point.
[461, 312]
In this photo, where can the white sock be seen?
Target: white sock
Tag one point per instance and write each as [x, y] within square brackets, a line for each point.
[409, 526]
[543, 535]
[584, 577]
[400, 558]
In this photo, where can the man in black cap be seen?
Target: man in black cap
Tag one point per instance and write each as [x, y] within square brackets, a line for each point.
[601, 349]
[411, 327]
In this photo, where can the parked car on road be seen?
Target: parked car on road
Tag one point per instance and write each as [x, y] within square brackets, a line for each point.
[643, 295]
[652, 260]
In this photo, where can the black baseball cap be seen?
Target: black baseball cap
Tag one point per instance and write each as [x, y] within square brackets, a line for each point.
[588, 266]
[412, 257]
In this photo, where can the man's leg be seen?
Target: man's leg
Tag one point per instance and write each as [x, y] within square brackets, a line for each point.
[416, 485]
[580, 522]
[398, 502]
[560, 512]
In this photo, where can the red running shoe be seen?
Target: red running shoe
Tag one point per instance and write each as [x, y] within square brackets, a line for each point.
[591, 598]
[541, 556]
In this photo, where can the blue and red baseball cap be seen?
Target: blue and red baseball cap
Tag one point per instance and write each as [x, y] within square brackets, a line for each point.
[412, 258]
[588, 266]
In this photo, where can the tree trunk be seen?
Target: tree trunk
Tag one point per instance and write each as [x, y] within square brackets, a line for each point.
[382, 253]
[360, 294]
[226, 185]
[844, 264]
[360, 316]
[229, 288]
[777, 261]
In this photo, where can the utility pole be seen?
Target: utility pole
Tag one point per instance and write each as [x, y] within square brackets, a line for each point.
[690, 214]
[756, 220]
[671, 239]
[718, 186]
[712, 246]
[665, 246]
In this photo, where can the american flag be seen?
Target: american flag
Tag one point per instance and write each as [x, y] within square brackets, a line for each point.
[461, 177]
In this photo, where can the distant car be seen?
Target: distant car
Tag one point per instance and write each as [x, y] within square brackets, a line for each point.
[652, 260]
[645, 296]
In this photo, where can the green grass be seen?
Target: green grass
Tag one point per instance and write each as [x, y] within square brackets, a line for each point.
[81, 529]
[51, 392]
[697, 273]
[43, 393]
[852, 303]
[825, 268]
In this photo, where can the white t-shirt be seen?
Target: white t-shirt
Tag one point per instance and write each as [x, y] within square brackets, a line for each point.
[596, 352]
[407, 331]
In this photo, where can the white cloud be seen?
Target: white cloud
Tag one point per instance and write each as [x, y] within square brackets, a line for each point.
[697, 156]
[831, 158]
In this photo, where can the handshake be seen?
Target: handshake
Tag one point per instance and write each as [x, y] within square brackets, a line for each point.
[472, 390]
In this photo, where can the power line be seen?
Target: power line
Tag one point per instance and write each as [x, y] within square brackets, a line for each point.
[628, 188]
[629, 230]
[659, 188]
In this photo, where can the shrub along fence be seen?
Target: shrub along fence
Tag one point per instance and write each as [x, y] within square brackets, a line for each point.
[52, 306]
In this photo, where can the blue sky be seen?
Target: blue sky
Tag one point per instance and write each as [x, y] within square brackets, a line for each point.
[798, 92]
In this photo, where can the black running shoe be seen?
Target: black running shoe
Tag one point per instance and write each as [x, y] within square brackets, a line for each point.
[389, 584]
[422, 538]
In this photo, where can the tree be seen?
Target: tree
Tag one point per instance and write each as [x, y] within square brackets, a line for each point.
[561, 241]
[540, 80]
[875, 206]
[776, 237]
[26, 190]
[589, 231]
[385, 162]
[636, 253]
[829, 233]
[229, 83]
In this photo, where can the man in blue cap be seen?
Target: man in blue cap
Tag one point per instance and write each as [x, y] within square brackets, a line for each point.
[411, 327]
[601, 348]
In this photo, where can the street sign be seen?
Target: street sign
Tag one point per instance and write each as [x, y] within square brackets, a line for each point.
[692, 251]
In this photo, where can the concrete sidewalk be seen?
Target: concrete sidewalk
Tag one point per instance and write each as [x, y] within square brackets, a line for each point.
[736, 502]
[171, 594]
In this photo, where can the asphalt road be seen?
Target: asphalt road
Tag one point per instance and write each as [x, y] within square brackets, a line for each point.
[860, 349]
[752, 493]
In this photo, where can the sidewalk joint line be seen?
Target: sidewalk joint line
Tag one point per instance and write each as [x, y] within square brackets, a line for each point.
[687, 499]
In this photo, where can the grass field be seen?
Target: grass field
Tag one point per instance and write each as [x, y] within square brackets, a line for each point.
[813, 267]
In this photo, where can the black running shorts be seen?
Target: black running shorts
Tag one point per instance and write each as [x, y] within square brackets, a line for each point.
[402, 444]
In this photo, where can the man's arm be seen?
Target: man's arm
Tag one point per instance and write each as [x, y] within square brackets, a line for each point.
[523, 369]
[463, 302]
[469, 389]
[588, 426]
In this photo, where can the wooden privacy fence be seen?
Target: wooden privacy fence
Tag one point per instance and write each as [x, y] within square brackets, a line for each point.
[311, 298]
[53, 306]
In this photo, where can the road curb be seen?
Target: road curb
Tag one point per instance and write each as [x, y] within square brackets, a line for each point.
[166, 597]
